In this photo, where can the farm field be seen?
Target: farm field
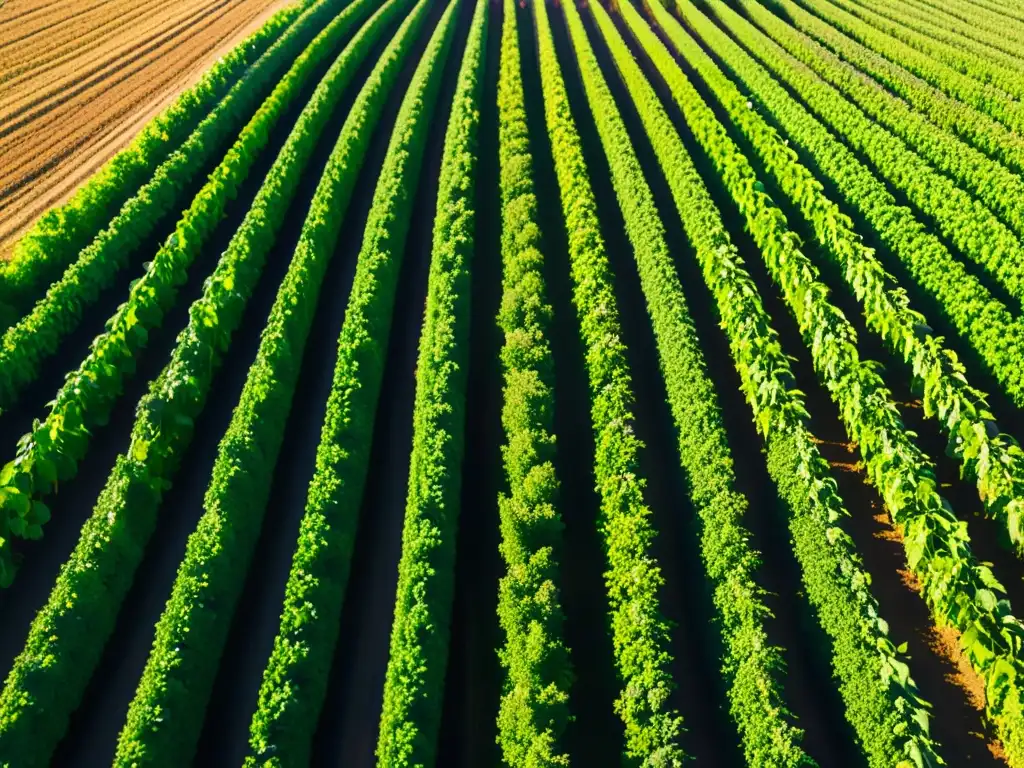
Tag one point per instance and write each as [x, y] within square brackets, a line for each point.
[512, 382]
[80, 79]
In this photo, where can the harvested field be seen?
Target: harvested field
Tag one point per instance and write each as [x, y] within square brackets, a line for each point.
[79, 81]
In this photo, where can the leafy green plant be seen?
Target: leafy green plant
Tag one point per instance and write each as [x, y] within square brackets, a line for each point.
[960, 591]
[975, 22]
[983, 97]
[882, 701]
[956, 117]
[68, 635]
[930, 25]
[640, 633]
[296, 676]
[534, 711]
[989, 67]
[751, 667]
[993, 459]
[976, 232]
[165, 717]
[986, 179]
[414, 681]
[50, 454]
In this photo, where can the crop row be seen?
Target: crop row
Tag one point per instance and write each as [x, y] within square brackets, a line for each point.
[888, 714]
[941, 27]
[983, 97]
[165, 717]
[751, 665]
[534, 711]
[418, 657]
[956, 117]
[50, 453]
[998, 10]
[978, 25]
[882, 702]
[993, 16]
[295, 680]
[958, 589]
[640, 633]
[975, 230]
[983, 68]
[992, 183]
[54, 241]
[38, 335]
[995, 461]
[67, 637]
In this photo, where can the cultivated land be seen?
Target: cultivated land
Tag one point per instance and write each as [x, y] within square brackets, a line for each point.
[79, 80]
[478, 382]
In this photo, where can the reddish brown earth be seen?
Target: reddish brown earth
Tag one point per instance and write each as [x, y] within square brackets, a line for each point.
[934, 648]
[79, 78]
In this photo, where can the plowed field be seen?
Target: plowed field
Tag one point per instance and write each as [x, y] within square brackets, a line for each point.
[78, 80]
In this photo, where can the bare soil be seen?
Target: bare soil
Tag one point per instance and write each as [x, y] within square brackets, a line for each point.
[80, 79]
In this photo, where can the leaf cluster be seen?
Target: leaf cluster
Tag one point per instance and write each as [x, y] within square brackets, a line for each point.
[414, 682]
[534, 711]
[296, 676]
[67, 637]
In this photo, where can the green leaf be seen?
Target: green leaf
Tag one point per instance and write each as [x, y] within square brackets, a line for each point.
[986, 599]
[40, 513]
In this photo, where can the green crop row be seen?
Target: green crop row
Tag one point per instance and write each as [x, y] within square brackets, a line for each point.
[931, 25]
[295, 679]
[1002, 12]
[882, 701]
[414, 682]
[55, 239]
[995, 461]
[166, 715]
[959, 590]
[534, 710]
[49, 455]
[974, 229]
[751, 666]
[975, 23]
[38, 335]
[956, 117]
[640, 633]
[988, 180]
[983, 68]
[67, 637]
[983, 97]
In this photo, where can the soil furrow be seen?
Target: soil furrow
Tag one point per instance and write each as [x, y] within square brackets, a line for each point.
[347, 730]
[596, 733]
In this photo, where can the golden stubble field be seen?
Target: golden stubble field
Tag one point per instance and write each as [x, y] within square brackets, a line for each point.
[78, 79]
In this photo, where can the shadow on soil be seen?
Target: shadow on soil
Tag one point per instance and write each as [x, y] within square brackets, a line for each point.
[474, 677]
[348, 726]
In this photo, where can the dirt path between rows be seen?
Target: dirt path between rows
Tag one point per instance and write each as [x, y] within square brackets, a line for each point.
[81, 78]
